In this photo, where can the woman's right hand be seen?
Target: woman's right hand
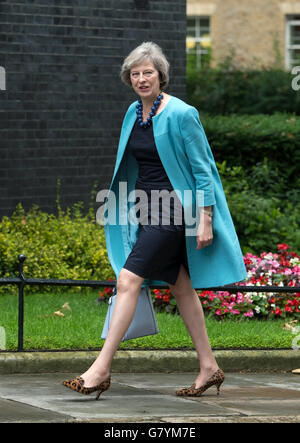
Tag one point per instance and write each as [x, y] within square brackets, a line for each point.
[204, 231]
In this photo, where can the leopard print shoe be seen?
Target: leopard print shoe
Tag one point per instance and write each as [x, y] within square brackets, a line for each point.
[215, 380]
[77, 384]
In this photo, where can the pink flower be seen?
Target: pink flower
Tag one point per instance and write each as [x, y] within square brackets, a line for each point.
[240, 298]
[218, 312]
[274, 263]
[296, 269]
[249, 313]
[234, 311]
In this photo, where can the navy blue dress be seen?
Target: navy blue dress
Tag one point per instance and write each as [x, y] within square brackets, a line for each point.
[160, 248]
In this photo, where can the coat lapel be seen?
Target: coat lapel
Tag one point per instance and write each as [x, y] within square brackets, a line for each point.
[127, 128]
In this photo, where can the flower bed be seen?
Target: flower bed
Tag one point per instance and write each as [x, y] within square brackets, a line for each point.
[271, 269]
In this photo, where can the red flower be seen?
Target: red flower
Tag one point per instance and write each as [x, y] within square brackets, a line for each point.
[282, 247]
[278, 311]
[284, 263]
[247, 261]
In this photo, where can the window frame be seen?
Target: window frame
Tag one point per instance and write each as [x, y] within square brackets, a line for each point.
[290, 21]
[197, 39]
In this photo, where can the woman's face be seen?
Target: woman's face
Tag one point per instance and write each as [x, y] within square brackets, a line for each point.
[145, 80]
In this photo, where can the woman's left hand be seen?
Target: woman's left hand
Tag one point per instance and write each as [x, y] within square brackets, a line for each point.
[204, 231]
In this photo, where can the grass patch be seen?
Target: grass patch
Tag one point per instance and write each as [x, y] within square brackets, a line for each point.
[81, 327]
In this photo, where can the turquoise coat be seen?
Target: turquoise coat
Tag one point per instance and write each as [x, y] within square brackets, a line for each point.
[189, 163]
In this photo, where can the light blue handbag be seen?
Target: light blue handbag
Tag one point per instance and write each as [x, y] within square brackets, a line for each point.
[144, 321]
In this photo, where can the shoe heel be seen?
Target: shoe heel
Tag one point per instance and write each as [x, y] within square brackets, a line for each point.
[103, 387]
[98, 394]
[218, 385]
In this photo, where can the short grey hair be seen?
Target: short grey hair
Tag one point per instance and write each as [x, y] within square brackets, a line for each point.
[146, 51]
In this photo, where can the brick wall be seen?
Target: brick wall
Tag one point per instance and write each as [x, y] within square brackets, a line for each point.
[61, 112]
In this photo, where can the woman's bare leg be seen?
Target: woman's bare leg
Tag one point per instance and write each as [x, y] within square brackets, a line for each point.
[190, 309]
[128, 289]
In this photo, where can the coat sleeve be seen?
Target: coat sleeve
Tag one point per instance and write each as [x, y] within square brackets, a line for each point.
[197, 151]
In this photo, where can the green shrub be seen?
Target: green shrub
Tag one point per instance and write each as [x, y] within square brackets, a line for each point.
[228, 90]
[71, 245]
[245, 140]
[264, 212]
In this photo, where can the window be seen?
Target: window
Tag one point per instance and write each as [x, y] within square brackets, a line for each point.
[198, 43]
[292, 41]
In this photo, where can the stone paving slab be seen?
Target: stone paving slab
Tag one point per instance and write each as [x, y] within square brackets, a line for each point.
[150, 397]
[14, 411]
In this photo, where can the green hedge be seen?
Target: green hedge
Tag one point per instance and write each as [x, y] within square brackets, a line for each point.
[70, 245]
[245, 140]
[265, 210]
[227, 90]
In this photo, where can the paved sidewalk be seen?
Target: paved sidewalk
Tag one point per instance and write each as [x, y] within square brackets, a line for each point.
[150, 397]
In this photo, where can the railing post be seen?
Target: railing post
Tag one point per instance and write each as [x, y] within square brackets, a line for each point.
[21, 285]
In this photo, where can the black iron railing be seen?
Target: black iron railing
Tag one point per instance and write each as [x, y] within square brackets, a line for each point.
[21, 282]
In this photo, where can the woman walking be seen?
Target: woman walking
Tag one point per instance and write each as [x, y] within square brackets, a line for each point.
[163, 147]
